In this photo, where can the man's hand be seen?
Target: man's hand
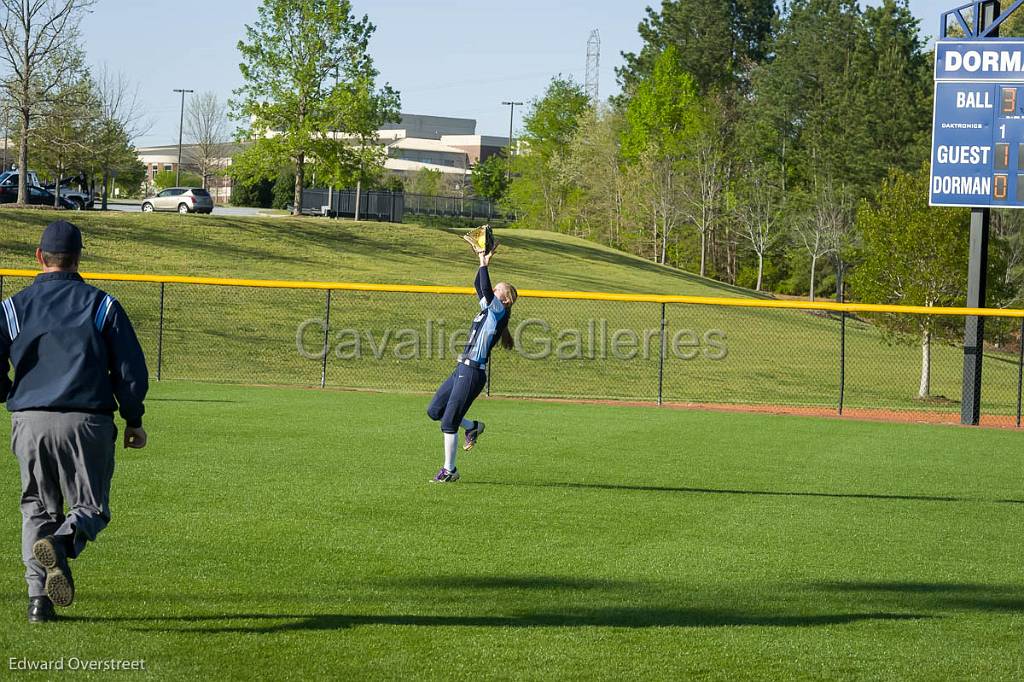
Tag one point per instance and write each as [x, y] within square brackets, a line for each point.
[135, 437]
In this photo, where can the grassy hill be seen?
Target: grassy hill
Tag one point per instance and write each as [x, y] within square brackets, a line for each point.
[335, 250]
[250, 335]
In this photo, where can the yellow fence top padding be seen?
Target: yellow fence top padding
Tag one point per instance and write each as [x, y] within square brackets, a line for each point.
[540, 293]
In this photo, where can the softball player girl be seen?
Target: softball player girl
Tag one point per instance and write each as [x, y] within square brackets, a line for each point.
[452, 400]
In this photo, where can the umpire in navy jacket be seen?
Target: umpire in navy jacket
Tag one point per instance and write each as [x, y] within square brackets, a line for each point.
[76, 359]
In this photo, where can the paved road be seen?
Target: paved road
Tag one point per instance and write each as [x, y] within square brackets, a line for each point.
[220, 210]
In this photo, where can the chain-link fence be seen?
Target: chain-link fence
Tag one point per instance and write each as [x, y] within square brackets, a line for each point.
[730, 353]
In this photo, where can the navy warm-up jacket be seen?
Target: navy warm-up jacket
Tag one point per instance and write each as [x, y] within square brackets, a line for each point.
[72, 348]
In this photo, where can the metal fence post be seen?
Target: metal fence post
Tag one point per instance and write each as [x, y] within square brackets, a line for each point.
[160, 337]
[842, 342]
[661, 357]
[1, 287]
[842, 360]
[327, 331]
[1020, 367]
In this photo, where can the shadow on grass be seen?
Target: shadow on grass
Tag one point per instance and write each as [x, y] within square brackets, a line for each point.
[510, 582]
[860, 601]
[605, 617]
[728, 491]
[191, 400]
[936, 596]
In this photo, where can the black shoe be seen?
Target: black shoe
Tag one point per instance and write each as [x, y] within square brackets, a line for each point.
[51, 555]
[40, 610]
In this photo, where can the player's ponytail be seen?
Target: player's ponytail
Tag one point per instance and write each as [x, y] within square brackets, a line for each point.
[507, 342]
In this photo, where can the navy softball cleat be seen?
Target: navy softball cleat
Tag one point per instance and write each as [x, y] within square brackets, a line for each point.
[472, 435]
[445, 476]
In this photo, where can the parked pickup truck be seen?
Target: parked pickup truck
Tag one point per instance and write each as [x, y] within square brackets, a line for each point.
[80, 199]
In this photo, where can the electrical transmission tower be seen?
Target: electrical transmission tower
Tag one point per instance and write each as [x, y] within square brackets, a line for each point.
[593, 65]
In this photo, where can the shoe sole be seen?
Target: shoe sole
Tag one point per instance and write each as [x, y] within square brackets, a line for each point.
[469, 444]
[58, 587]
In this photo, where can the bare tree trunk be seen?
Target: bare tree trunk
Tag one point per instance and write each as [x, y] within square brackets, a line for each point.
[814, 266]
[300, 177]
[56, 189]
[703, 252]
[926, 365]
[664, 242]
[23, 158]
[760, 270]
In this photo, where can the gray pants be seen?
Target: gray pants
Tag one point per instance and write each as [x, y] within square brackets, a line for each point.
[65, 458]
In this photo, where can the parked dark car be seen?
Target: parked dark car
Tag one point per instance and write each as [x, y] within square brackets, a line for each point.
[83, 199]
[37, 196]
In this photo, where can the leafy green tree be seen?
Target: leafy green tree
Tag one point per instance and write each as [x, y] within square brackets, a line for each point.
[308, 78]
[714, 41]
[1013, 27]
[61, 135]
[259, 194]
[426, 181]
[664, 121]
[391, 182]
[490, 177]
[539, 193]
[165, 179]
[595, 167]
[895, 72]
[351, 155]
[284, 185]
[846, 96]
[130, 178]
[913, 255]
[39, 41]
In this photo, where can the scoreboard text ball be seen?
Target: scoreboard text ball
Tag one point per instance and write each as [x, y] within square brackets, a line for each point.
[978, 124]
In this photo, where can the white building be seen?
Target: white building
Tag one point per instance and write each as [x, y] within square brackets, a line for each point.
[447, 145]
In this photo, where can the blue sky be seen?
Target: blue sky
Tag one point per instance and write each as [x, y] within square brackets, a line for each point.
[454, 58]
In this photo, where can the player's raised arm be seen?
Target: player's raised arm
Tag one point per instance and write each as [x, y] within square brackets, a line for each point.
[483, 280]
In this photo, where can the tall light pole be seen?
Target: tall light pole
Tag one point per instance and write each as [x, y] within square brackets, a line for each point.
[511, 116]
[181, 129]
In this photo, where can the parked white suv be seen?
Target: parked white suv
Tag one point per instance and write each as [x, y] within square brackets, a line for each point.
[180, 199]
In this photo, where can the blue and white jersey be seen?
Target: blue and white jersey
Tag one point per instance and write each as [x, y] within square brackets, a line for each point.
[486, 330]
[488, 325]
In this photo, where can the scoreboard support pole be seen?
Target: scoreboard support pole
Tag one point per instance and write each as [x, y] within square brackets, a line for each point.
[977, 271]
[974, 329]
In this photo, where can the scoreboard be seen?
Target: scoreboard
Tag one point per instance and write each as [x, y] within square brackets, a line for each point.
[978, 124]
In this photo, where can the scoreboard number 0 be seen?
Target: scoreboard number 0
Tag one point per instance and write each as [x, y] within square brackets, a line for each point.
[1000, 185]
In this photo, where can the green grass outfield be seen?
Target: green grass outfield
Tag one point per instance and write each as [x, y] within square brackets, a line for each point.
[292, 534]
[775, 357]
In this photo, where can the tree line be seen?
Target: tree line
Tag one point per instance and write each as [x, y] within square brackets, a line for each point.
[782, 148]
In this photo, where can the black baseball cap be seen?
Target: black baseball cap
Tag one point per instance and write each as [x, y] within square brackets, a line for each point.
[61, 236]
